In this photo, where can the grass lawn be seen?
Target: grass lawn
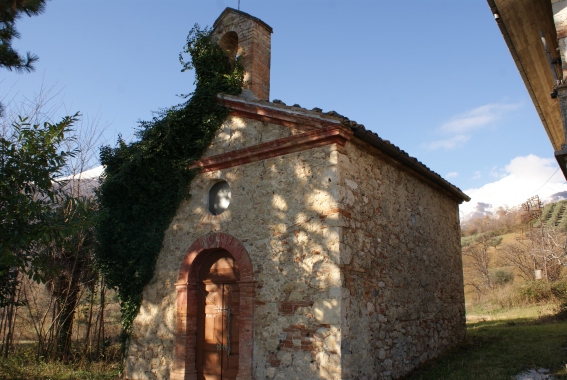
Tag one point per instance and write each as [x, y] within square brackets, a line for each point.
[481, 313]
[23, 366]
[500, 349]
[505, 344]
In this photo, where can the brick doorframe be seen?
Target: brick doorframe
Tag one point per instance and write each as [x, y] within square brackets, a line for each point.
[186, 316]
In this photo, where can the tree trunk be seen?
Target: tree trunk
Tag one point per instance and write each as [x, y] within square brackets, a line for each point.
[2, 329]
[89, 324]
[101, 322]
[69, 285]
[8, 333]
[14, 314]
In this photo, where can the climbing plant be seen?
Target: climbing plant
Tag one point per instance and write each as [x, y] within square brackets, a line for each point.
[146, 180]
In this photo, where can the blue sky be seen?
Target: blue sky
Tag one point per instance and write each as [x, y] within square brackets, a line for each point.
[433, 77]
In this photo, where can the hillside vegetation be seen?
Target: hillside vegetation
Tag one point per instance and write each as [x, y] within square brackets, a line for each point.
[516, 298]
[516, 257]
[554, 215]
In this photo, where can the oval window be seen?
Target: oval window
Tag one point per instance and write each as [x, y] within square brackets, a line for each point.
[219, 198]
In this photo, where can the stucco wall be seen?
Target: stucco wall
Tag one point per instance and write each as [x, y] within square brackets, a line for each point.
[401, 261]
[280, 213]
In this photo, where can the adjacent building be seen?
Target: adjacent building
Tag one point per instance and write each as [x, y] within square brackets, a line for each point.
[536, 34]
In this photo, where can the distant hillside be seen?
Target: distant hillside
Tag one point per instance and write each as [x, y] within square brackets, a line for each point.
[505, 220]
[478, 209]
[554, 215]
[84, 183]
[501, 253]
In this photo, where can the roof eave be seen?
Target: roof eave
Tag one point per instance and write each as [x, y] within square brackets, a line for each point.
[319, 119]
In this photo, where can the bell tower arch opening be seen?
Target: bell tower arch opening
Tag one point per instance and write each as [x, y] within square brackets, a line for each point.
[250, 38]
[229, 43]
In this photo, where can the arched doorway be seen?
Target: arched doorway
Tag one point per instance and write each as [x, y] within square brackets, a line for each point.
[217, 354]
[187, 311]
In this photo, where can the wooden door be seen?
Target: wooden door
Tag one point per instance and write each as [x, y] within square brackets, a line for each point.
[217, 322]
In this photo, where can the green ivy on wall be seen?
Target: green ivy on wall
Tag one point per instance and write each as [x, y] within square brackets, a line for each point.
[145, 181]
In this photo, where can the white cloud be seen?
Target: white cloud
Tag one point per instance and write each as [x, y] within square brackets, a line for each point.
[476, 175]
[497, 172]
[460, 127]
[477, 118]
[532, 167]
[452, 175]
[523, 177]
[449, 143]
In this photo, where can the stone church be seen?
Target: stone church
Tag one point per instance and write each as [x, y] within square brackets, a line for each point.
[310, 249]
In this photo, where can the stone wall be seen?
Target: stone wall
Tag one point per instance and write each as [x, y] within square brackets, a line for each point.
[356, 262]
[283, 211]
[401, 261]
[238, 133]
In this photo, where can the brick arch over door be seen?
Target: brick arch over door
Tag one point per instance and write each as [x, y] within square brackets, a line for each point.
[186, 312]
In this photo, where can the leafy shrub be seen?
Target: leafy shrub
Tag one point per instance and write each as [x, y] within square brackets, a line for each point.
[491, 237]
[543, 291]
[559, 289]
[501, 277]
[511, 295]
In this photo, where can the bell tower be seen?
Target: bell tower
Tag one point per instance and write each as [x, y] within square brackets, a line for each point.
[249, 38]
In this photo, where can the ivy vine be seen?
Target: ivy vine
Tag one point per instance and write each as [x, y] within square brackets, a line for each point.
[146, 180]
